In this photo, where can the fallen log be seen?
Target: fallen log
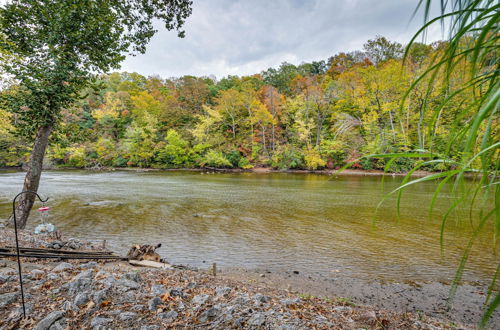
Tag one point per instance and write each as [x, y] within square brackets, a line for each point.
[149, 263]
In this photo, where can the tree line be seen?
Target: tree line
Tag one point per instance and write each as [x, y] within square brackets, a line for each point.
[315, 115]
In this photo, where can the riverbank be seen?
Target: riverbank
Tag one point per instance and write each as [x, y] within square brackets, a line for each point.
[115, 294]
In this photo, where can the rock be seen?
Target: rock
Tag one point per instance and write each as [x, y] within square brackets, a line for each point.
[222, 291]
[150, 327]
[69, 306]
[133, 277]
[291, 302]
[63, 266]
[138, 308]
[37, 273]
[200, 299]
[158, 289]
[168, 315]
[125, 285]
[177, 292]
[58, 325]
[4, 278]
[100, 321]
[109, 281]
[257, 320]
[49, 320]
[191, 285]
[154, 303]
[18, 312]
[89, 265]
[81, 299]
[296, 272]
[342, 309]
[8, 298]
[261, 298]
[100, 296]
[81, 282]
[368, 316]
[125, 316]
[209, 315]
[74, 245]
[52, 276]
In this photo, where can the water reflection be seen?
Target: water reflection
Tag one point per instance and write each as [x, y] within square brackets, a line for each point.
[305, 222]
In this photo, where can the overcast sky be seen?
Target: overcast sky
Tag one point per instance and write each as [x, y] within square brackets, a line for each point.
[240, 37]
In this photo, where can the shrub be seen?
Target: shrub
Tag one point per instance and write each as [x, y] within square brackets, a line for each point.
[215, 158]
[313, 159]
[287, 158]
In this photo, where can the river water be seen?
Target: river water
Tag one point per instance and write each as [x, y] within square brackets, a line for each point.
[311, 223]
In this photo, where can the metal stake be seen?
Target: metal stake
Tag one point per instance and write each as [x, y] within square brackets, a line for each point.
[17, 241]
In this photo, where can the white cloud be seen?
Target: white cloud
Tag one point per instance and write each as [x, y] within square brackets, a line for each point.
[245, 37]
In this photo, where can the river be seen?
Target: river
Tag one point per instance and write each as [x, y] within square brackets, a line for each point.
[312, 223]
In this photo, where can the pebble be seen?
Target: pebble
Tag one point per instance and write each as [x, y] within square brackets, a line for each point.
[200, 299]
[342, 309]
[52, 276]
[154, 303]
[98, 321]
[291, 302]
[125, 284]
[89, 265]
[222, 291]
[177, 292]
[261, 298]
[63, 266]
[257, 319]
[150, 327]
[209, 315]
[133, 277]
[168, 315]
[81, 299]
[49, 320]
[125, 316]
[158, 289]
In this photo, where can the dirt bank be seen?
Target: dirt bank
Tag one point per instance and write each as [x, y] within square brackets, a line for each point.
[75, 295]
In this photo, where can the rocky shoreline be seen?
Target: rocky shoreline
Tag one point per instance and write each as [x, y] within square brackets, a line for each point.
[116, 295]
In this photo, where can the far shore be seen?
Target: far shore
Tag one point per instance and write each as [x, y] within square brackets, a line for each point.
[263, 170]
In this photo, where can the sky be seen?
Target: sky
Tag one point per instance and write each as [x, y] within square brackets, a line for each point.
[242, 37]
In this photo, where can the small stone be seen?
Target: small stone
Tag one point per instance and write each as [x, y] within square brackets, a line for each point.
[291, 302]
[150, 327]
[133, 277]
[81, 299]
[126, 285]
[125, 316]
[177, 292]
[49, 320]
[257, 320]
[158, 289]
[100, 296]
[109, 281]
[63, 266]
[209, 314]
[368, 316]
[37, 273]
[58, 325]
[342, 309]
[222, 291]
[69, 306]
[200, 299]
[261, 298]
[262, 275]
[138, 308]
[154, 303]
[8, 298]
[52, 276]
[191, 285]
[168, 315]
[98, 321]
[89, 265]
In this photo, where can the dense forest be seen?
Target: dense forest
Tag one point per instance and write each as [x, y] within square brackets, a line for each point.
[310, 116]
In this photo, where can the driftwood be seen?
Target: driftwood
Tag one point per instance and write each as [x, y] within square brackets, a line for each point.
[149, 263]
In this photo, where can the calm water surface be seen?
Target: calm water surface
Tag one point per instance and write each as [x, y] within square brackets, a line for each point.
[307, 222]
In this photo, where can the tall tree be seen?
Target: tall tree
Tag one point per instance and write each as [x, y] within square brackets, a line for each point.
[54, 48]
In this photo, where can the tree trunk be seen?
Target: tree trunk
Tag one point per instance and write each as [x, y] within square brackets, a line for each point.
[32, 178]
